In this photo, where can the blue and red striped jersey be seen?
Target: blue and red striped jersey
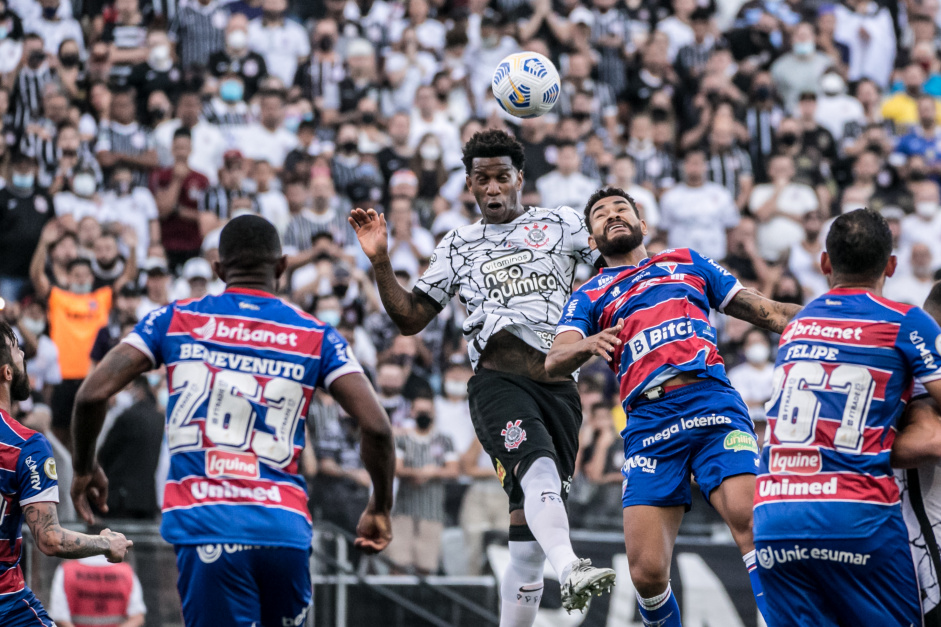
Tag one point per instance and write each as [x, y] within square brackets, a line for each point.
[665, 302]
[27, 475]
[241, 369]
[844, 372]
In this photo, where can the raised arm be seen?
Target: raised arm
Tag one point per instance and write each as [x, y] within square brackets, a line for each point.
[357, 397]
[919, 438]
[754, 308]
[37, 266]
[570, 350]
[52, 539]
[119, 367]
[410, 311]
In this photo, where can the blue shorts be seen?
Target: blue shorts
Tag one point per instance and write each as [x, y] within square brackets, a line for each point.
[826, 583]
[702, 428]
[23, 609]
[242, 586]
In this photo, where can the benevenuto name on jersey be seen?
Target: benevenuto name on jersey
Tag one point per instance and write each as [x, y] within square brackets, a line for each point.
[242, 363]
[246, 332]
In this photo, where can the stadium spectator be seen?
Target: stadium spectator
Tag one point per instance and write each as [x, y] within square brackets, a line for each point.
[779, 206]
[566, 185]
[198, 31]
[93, 591]
[178, 191]
[268, 139]
[697, 213]
[24, 210]
[752, 379]
[283, 43]
[122, 140]
[425, 459]
[208, 143]
[799, 70]
[76, 312]
[156, 292]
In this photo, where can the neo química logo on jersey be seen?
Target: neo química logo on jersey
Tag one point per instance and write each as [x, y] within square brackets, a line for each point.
[503, 278]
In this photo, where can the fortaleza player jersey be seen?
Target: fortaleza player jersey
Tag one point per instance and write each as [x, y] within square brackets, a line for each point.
[27, 475]
[514, 276]
[241, 368]
[665, 302]
[843, 376]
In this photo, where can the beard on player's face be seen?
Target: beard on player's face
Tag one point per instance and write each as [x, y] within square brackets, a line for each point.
[621, 242]
[19, 386]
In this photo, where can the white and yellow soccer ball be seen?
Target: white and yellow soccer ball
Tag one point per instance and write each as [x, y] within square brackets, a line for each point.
[526, 84]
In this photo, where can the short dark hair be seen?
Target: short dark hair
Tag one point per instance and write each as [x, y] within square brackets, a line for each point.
[249, 241]
[6, 347]
[493, 143]
[859, 244]
[608, 192]
[182, 132]
[78, 261]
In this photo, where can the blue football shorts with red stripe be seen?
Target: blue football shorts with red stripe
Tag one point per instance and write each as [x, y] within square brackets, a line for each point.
[701, 428]
[243, 586]
[830, 582]
[23, 609]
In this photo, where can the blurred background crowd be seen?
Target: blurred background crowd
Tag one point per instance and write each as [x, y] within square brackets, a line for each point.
[133, 130]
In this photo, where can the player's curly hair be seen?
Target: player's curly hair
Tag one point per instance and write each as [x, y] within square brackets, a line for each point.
[493, 143]
[608, 192]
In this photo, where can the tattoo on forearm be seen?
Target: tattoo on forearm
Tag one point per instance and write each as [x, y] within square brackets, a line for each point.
[405, 309]
[44, 524]
[761, 312]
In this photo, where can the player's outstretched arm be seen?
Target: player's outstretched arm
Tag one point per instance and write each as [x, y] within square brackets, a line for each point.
[752, 307]
[356, 396]
[570, 350]
[119, 367]
[53, 540]
[919, 438]
[411, 312]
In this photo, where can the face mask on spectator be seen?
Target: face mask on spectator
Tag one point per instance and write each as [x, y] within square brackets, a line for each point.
[757, 353]
[423, 421]
[430, 152]
[787, 139]
[163, 397]
[158, 114]
[917, 175]
[159, 57]
[330, 316]
[659, 115]
[154, 379]
[348, 147]
[926, 209]
[80, 288]
[84, 185]
[271, 16]
[34, 326]
[231, 90]
[326, 44]
[3, 32]
[35, 58]
[123, 188]
[69, 60]
[762, 92]
[369, 118]
[804, 48]
[23, 181]
[49, 13]
[457, 389]
[237, 40]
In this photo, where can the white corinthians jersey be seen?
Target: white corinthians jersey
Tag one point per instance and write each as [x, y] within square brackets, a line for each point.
[920, 490]
[515, 276]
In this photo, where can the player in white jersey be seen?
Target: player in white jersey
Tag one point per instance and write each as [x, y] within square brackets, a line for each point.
[513, 270]
[915, 450]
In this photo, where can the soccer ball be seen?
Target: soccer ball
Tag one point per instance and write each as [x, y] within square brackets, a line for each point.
[526, 84]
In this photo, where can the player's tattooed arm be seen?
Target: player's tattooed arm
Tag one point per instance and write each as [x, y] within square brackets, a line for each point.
[410, 311]
[52, 539]
[754, 308]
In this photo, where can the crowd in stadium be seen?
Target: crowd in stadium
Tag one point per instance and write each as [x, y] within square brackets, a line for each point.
[134, 130]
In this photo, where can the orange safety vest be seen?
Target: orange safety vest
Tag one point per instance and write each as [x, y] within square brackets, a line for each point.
[98, 596]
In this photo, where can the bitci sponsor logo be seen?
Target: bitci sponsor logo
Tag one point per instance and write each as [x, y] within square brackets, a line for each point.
[227, 464]
[795, 460]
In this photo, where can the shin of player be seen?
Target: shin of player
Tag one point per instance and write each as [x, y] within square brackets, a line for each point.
[649, 318]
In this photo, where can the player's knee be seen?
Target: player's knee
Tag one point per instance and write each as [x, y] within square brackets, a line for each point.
[541, 476]
[650, 576]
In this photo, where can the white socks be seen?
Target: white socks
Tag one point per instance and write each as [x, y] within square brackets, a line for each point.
[521, 590]
[546, 515]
